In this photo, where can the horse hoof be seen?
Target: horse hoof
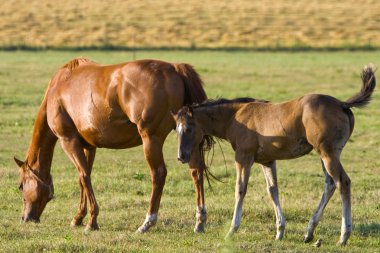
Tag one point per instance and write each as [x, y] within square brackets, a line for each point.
[199, 228]
[90, 228]
[308, 238]
[76, 223]
[143, 229]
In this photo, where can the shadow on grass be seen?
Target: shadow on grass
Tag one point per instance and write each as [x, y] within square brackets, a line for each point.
[371, 229]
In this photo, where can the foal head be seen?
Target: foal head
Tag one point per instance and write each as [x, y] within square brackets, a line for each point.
[35, 192]
[189, 133]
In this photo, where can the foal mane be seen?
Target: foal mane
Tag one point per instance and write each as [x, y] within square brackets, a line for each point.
[223, 101]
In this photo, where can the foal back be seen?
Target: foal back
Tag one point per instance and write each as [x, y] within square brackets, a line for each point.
[292, 129]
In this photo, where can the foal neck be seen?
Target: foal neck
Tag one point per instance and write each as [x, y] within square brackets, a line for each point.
[216, 119]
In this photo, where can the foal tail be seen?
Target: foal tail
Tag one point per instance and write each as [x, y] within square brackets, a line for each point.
[364, 96]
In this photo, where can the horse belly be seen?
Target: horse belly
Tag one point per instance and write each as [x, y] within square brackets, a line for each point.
[114, 135]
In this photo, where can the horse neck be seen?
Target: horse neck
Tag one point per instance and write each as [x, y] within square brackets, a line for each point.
[215, 120]
[41, 148]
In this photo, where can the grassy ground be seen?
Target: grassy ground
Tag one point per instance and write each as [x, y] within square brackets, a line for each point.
[168, 23]
[121, 178]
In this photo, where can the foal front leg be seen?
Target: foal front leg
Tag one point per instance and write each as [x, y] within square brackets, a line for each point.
[243, 164]
[197, 167]
[270, 174]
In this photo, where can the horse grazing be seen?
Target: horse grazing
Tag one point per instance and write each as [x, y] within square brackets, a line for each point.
[263, 132]
[87, 106]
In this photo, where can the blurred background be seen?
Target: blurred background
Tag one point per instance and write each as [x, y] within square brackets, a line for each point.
[265, 24]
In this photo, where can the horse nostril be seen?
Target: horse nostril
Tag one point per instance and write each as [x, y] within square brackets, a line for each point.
[22, 218]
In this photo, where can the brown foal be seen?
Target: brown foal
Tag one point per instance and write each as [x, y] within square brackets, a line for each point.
[87, 106]
[264, 132]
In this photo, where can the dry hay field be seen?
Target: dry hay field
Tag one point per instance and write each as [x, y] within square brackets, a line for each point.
[190, 24]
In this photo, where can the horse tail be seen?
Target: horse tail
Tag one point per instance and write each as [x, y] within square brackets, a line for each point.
[364, 96]
[194, 93]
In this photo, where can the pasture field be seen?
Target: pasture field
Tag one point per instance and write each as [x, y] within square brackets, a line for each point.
[121, 178]
[201, 24]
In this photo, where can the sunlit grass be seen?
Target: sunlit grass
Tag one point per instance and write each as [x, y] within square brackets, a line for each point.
[121, 178]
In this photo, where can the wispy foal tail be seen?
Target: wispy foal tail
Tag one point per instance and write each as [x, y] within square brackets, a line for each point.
[363, 98]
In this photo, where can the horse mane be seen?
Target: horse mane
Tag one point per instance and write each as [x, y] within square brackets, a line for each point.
[74, 63]
[65, 71]
[223, 101]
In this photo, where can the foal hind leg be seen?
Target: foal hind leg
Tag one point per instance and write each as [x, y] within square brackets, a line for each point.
[73, 147]
[270, 174]
[82, 209]
[243, 169]
[327, 194]
[197, 167]
[343, 183]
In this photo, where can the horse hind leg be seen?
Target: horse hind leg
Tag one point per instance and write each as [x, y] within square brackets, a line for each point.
[153, 154]
[82, 209]
[197, 167]
[327, 194]
[270, 174]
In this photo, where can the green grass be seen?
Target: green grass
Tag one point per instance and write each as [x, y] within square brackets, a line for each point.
[121, 178]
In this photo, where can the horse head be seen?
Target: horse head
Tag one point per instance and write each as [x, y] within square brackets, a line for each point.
[36, 193]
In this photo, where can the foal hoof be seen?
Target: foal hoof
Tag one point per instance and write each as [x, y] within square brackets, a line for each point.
[279, 235]
[308, 238]
[199, 228]
[231, 233]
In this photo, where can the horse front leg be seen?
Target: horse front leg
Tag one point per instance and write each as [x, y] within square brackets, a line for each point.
[270, 174]
[197, 167]
[153, 155]
[82, 209]
[243, 164]
[74, 150]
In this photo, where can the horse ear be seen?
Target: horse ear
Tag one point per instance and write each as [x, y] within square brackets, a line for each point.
[19, 162]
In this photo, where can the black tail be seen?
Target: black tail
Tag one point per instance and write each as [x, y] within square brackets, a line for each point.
[194, 93]
[363, 98]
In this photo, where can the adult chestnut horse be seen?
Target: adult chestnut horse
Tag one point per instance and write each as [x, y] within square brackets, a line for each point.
[87, 106]
[264, 132]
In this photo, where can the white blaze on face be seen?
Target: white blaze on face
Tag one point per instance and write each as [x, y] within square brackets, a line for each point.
[180, 129]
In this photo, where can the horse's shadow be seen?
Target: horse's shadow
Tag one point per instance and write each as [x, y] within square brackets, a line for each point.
[370, 229]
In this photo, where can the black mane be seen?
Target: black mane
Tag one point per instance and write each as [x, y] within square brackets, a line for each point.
[222, 101]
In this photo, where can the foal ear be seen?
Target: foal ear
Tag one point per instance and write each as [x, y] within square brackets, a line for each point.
[190, 111]
[18, 162]
[174, 114]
